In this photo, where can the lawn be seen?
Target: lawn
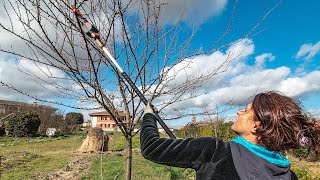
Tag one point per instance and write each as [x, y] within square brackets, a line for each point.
[112, 164]
[40, 158]
[34, 158]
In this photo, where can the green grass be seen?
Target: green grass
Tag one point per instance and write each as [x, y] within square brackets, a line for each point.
[12, 141]
[38, 158]
[118, 143]
[35, 158]
[113, 165]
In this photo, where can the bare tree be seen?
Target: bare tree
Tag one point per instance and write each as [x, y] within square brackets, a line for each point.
[147, 48]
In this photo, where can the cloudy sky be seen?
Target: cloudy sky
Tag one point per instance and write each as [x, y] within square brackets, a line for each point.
[283, 54]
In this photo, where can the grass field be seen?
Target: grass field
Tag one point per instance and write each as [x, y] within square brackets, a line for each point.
[44, 158]
[34, 158]
[39, 158]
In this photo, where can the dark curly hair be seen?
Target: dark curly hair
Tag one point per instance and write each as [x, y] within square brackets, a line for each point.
[283, 122]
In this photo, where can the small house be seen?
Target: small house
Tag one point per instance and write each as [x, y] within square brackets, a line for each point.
[104, 120]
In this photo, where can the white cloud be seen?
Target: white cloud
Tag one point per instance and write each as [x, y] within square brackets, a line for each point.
[298, 86]
[241, 49]
[216, 67]
[243, 86]
[189, 11]
[237, 82]
[261, 59]
[308, 51]
[13, 72]
[192, 9]
[219, 63]
[14, 18]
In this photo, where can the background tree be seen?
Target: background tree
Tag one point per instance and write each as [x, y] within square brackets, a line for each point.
[22, 124]
[73, 121]
[72, 67]
[223, 130]
[75, 117]
[52, 121]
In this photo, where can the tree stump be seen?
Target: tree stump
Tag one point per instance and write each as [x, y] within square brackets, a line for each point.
[96, 141]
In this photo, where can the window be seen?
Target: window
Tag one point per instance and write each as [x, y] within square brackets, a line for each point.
[103, 118]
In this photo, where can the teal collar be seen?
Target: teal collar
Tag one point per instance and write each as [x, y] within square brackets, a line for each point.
[271, 156]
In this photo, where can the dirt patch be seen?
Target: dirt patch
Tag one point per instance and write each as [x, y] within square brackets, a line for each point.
[77, 168]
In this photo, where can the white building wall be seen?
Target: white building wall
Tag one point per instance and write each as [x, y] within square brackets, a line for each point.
[94, 121]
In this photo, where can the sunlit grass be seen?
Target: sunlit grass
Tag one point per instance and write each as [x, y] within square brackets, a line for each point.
[112, 166]
[38, 158]
[32, 158]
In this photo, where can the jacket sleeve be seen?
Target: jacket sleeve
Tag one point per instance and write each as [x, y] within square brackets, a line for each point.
[185, 153]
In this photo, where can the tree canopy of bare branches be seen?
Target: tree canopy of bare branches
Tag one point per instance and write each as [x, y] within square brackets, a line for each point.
[71, 66]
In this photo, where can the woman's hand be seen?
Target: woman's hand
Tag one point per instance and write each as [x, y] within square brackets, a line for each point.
[149, 108]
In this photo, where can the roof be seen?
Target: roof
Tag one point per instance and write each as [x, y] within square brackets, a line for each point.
[105, 113]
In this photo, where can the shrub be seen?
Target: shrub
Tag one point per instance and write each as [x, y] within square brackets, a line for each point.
[22, 124]
[300, 153]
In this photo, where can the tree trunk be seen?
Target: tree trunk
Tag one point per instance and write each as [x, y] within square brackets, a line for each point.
[215, 131]
[129, 158]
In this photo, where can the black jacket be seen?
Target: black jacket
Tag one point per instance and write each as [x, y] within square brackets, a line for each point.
[211, 158]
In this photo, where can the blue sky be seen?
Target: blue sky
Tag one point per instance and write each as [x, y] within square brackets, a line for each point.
[287, 28]
[282, 55]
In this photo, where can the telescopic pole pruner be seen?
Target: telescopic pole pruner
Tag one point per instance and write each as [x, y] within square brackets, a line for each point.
[93, 32]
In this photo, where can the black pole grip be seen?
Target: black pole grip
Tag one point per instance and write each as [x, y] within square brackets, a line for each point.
[145, 102]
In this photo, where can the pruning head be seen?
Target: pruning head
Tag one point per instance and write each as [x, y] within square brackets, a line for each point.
[86, 26]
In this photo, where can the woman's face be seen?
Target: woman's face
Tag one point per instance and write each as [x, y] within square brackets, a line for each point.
[245, 124]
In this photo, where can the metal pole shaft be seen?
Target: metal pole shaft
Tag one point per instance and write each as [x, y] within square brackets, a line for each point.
[93, 32]
[134, 87]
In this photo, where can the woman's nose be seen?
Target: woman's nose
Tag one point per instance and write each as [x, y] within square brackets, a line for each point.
[240, 111]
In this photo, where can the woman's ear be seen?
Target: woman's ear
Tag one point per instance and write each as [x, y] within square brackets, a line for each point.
[256, 126]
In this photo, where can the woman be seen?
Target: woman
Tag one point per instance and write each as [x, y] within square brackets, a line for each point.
[272, 123]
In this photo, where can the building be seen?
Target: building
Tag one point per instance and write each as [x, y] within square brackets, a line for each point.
[86, 124]
[104, 120]
[195, 123]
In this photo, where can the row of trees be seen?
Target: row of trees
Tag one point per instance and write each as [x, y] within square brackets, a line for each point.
[218, 128]
[26, 124]
[222, 129]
